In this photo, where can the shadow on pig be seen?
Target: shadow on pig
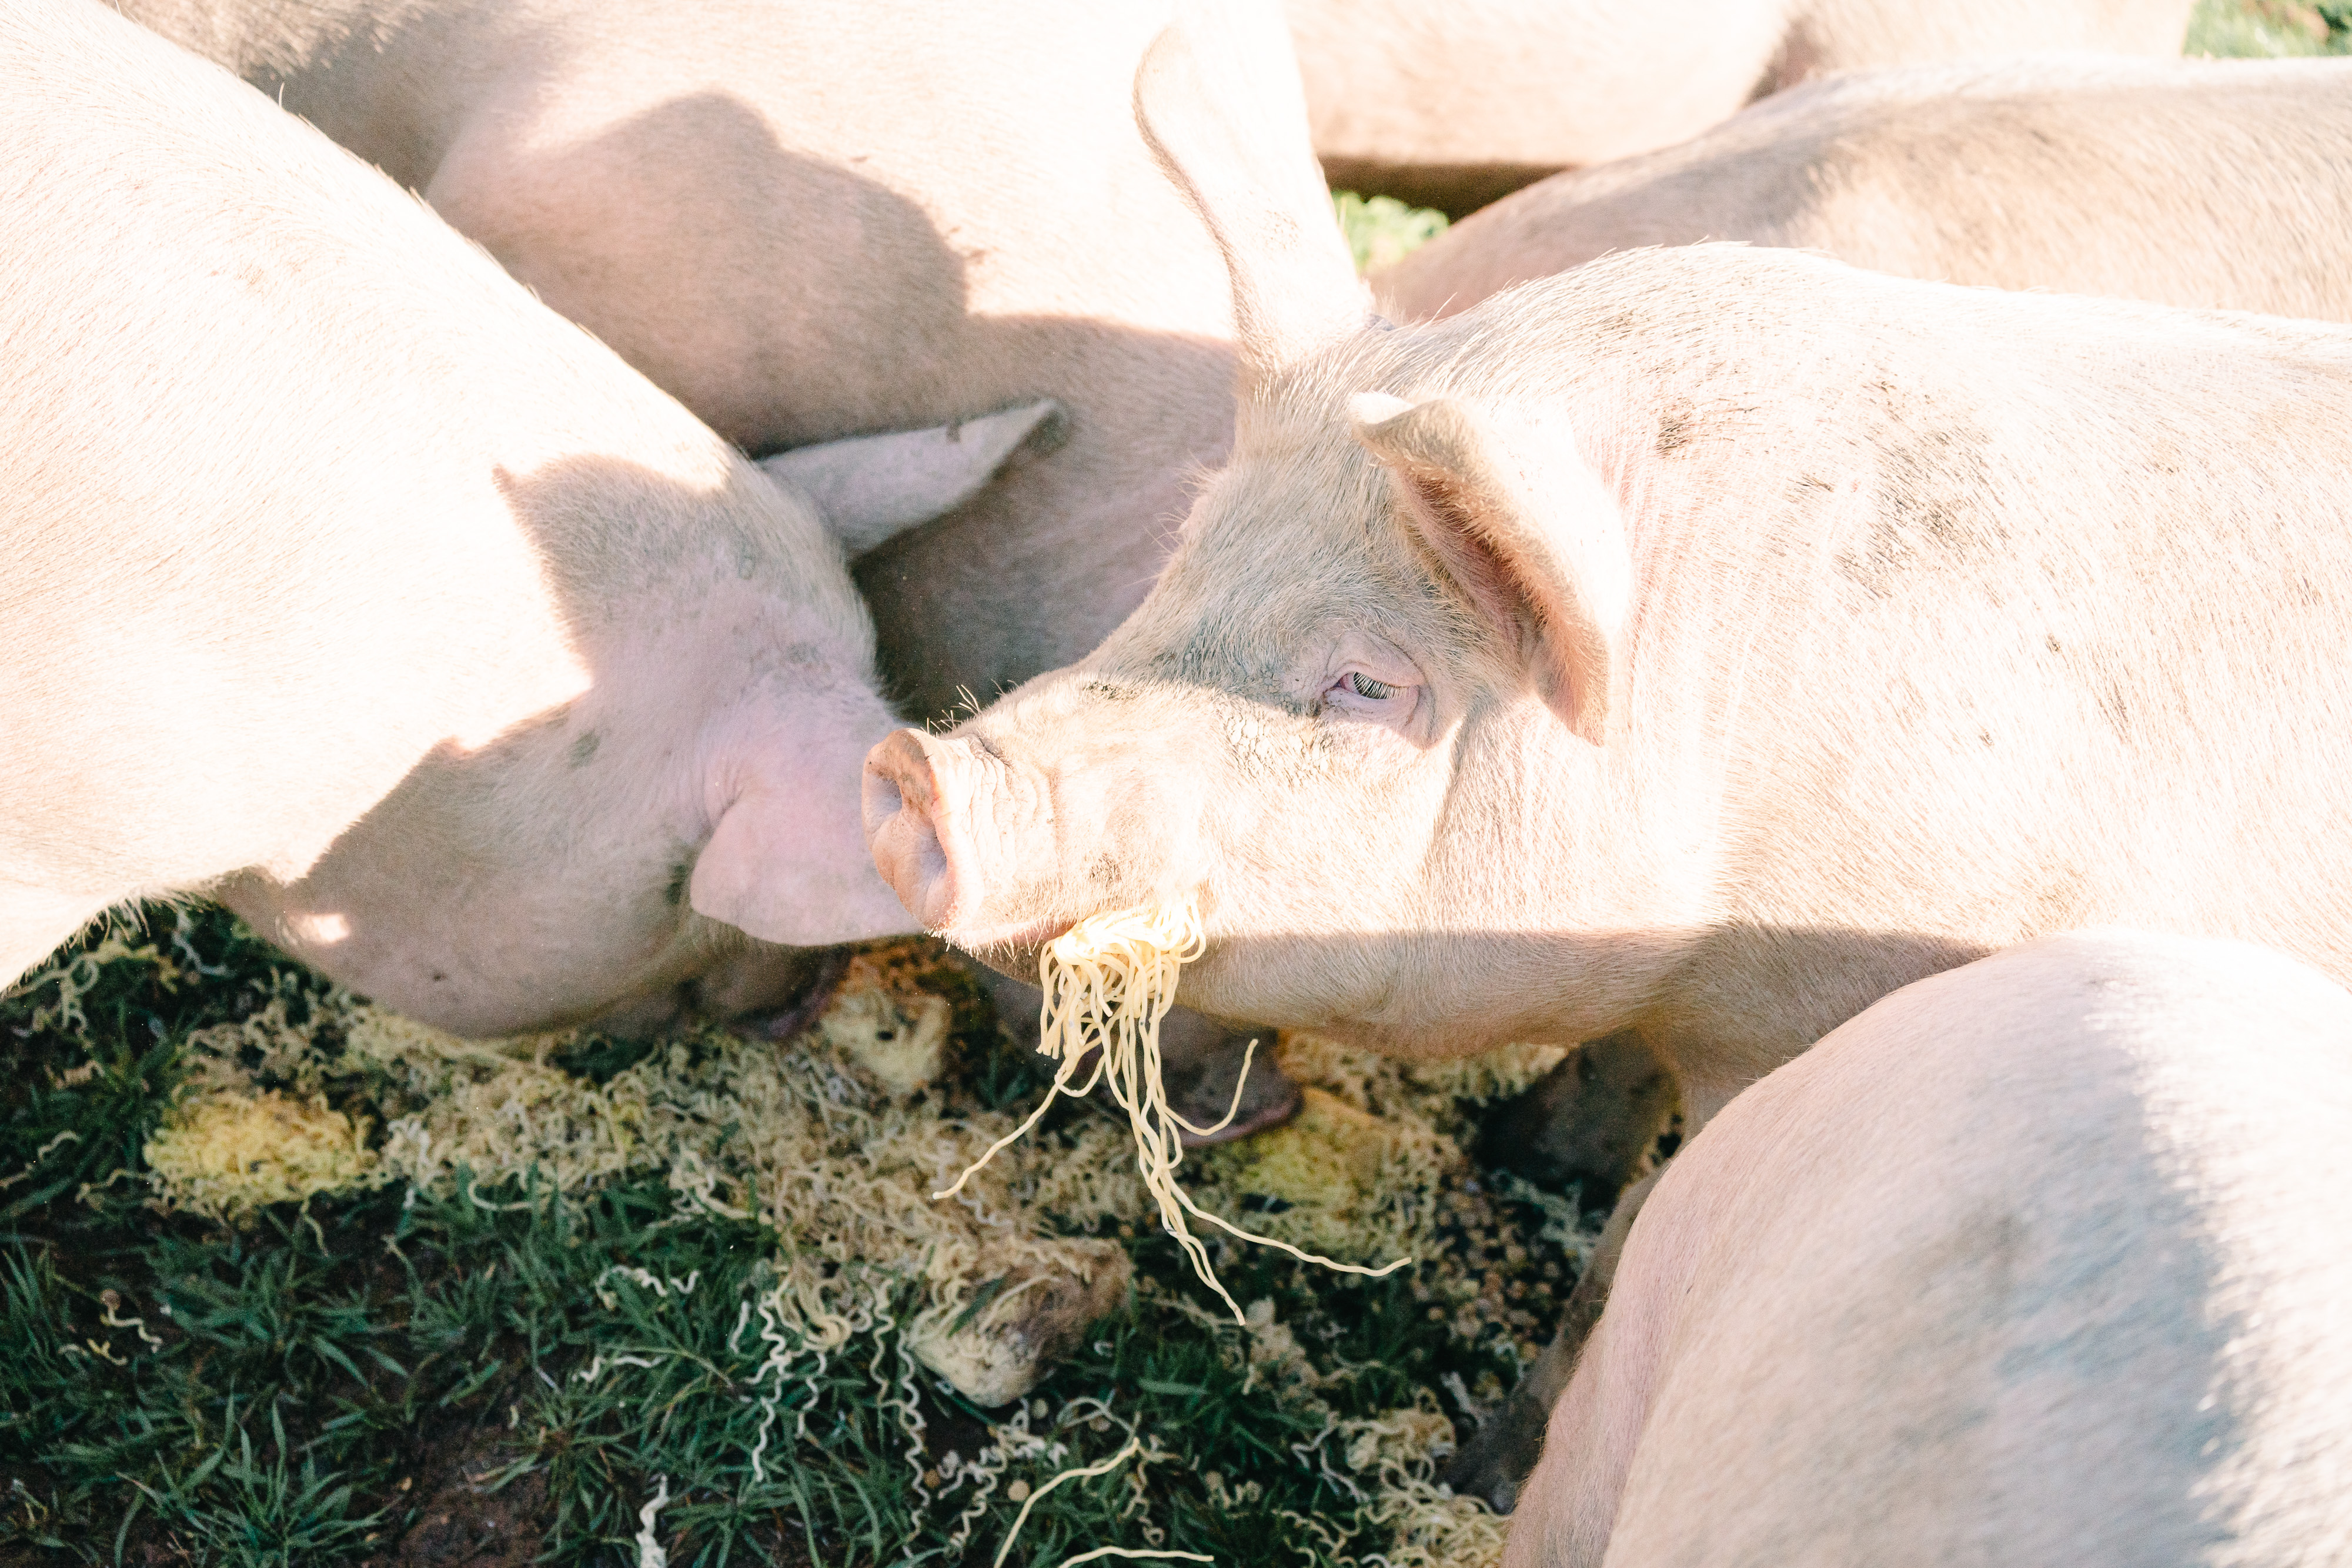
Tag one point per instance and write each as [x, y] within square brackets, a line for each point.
[873, 332]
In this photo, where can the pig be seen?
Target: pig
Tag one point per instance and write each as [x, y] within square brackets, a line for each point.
[1702, 643]
[810, 220]
[2213, 183]
[2037, 1261]
[1454, 103]
[438, 642]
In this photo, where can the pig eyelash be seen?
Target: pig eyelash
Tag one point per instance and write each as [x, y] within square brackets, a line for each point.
[1359, 693]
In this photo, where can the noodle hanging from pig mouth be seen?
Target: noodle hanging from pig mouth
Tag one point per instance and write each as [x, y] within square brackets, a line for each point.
[1109, 981]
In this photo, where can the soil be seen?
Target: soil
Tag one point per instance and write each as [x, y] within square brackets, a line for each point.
[456, 1525]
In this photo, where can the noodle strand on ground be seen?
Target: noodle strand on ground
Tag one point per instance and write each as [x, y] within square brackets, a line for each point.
[1109, 982]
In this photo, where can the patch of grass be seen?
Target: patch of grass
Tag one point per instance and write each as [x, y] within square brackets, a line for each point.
[358, 1379]
[1382, 231]
[2270, 29]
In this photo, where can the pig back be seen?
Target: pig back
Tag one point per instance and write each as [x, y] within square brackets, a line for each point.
[2211, 184]
[1985, 615]
[2035, 1261]
[812, 220]
[1454, 103]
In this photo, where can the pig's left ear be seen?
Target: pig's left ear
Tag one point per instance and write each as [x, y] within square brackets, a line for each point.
[870, 487]
[1526, 528]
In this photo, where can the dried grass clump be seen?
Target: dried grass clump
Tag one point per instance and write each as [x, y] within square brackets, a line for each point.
[833, 1140]
[1361, 1171]
[225, 1155]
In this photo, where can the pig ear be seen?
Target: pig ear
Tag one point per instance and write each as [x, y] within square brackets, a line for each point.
[1220, 103]
[870, 487]
[1526, 528]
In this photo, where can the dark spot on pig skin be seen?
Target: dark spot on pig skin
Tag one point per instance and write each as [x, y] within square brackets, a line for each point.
[1108, 692]
[2116, 711]
[1103, 871]
[438, 978]
[1932, 484]
[1674, 428]
[680, 873]
[584, 748]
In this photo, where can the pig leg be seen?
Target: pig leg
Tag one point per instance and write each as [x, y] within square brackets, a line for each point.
[1588, 1122]
[770, 992]
[1200, 1062]
[1502, 1453]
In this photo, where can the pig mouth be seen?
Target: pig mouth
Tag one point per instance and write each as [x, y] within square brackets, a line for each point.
[1013, 949]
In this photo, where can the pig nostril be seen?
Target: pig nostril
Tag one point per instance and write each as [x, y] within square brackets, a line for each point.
[901, 832]
[908, 852]
[880, 800]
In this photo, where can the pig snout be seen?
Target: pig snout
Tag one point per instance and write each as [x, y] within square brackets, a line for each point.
[970, 840]
[918, 824]
[1005, 834]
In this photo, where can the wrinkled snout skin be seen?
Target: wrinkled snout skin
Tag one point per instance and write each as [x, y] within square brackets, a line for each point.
[1907, 657]
[968, 826]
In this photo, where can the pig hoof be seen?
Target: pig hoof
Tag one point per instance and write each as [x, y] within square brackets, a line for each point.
[1499, 1456]
[800, 1014]
[1588, 1124]
[1268, 1099]
[1201, 1091]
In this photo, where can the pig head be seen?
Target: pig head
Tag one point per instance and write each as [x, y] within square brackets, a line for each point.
[642, 849]
[1301, 727]
[1338, 764]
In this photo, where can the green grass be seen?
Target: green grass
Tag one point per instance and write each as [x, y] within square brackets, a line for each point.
[2270, 28]
[306, 1389]
[1381, 231]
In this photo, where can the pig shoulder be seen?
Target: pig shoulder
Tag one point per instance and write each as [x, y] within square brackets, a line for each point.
[2038, 1251]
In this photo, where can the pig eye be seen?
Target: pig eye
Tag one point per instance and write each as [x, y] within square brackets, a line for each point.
[1356, 692]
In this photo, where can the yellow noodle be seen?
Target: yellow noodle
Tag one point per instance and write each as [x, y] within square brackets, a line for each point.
[1109, 982]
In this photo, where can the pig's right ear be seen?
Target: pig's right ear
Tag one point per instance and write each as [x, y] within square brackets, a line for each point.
[868, 489]
[1528, 530]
